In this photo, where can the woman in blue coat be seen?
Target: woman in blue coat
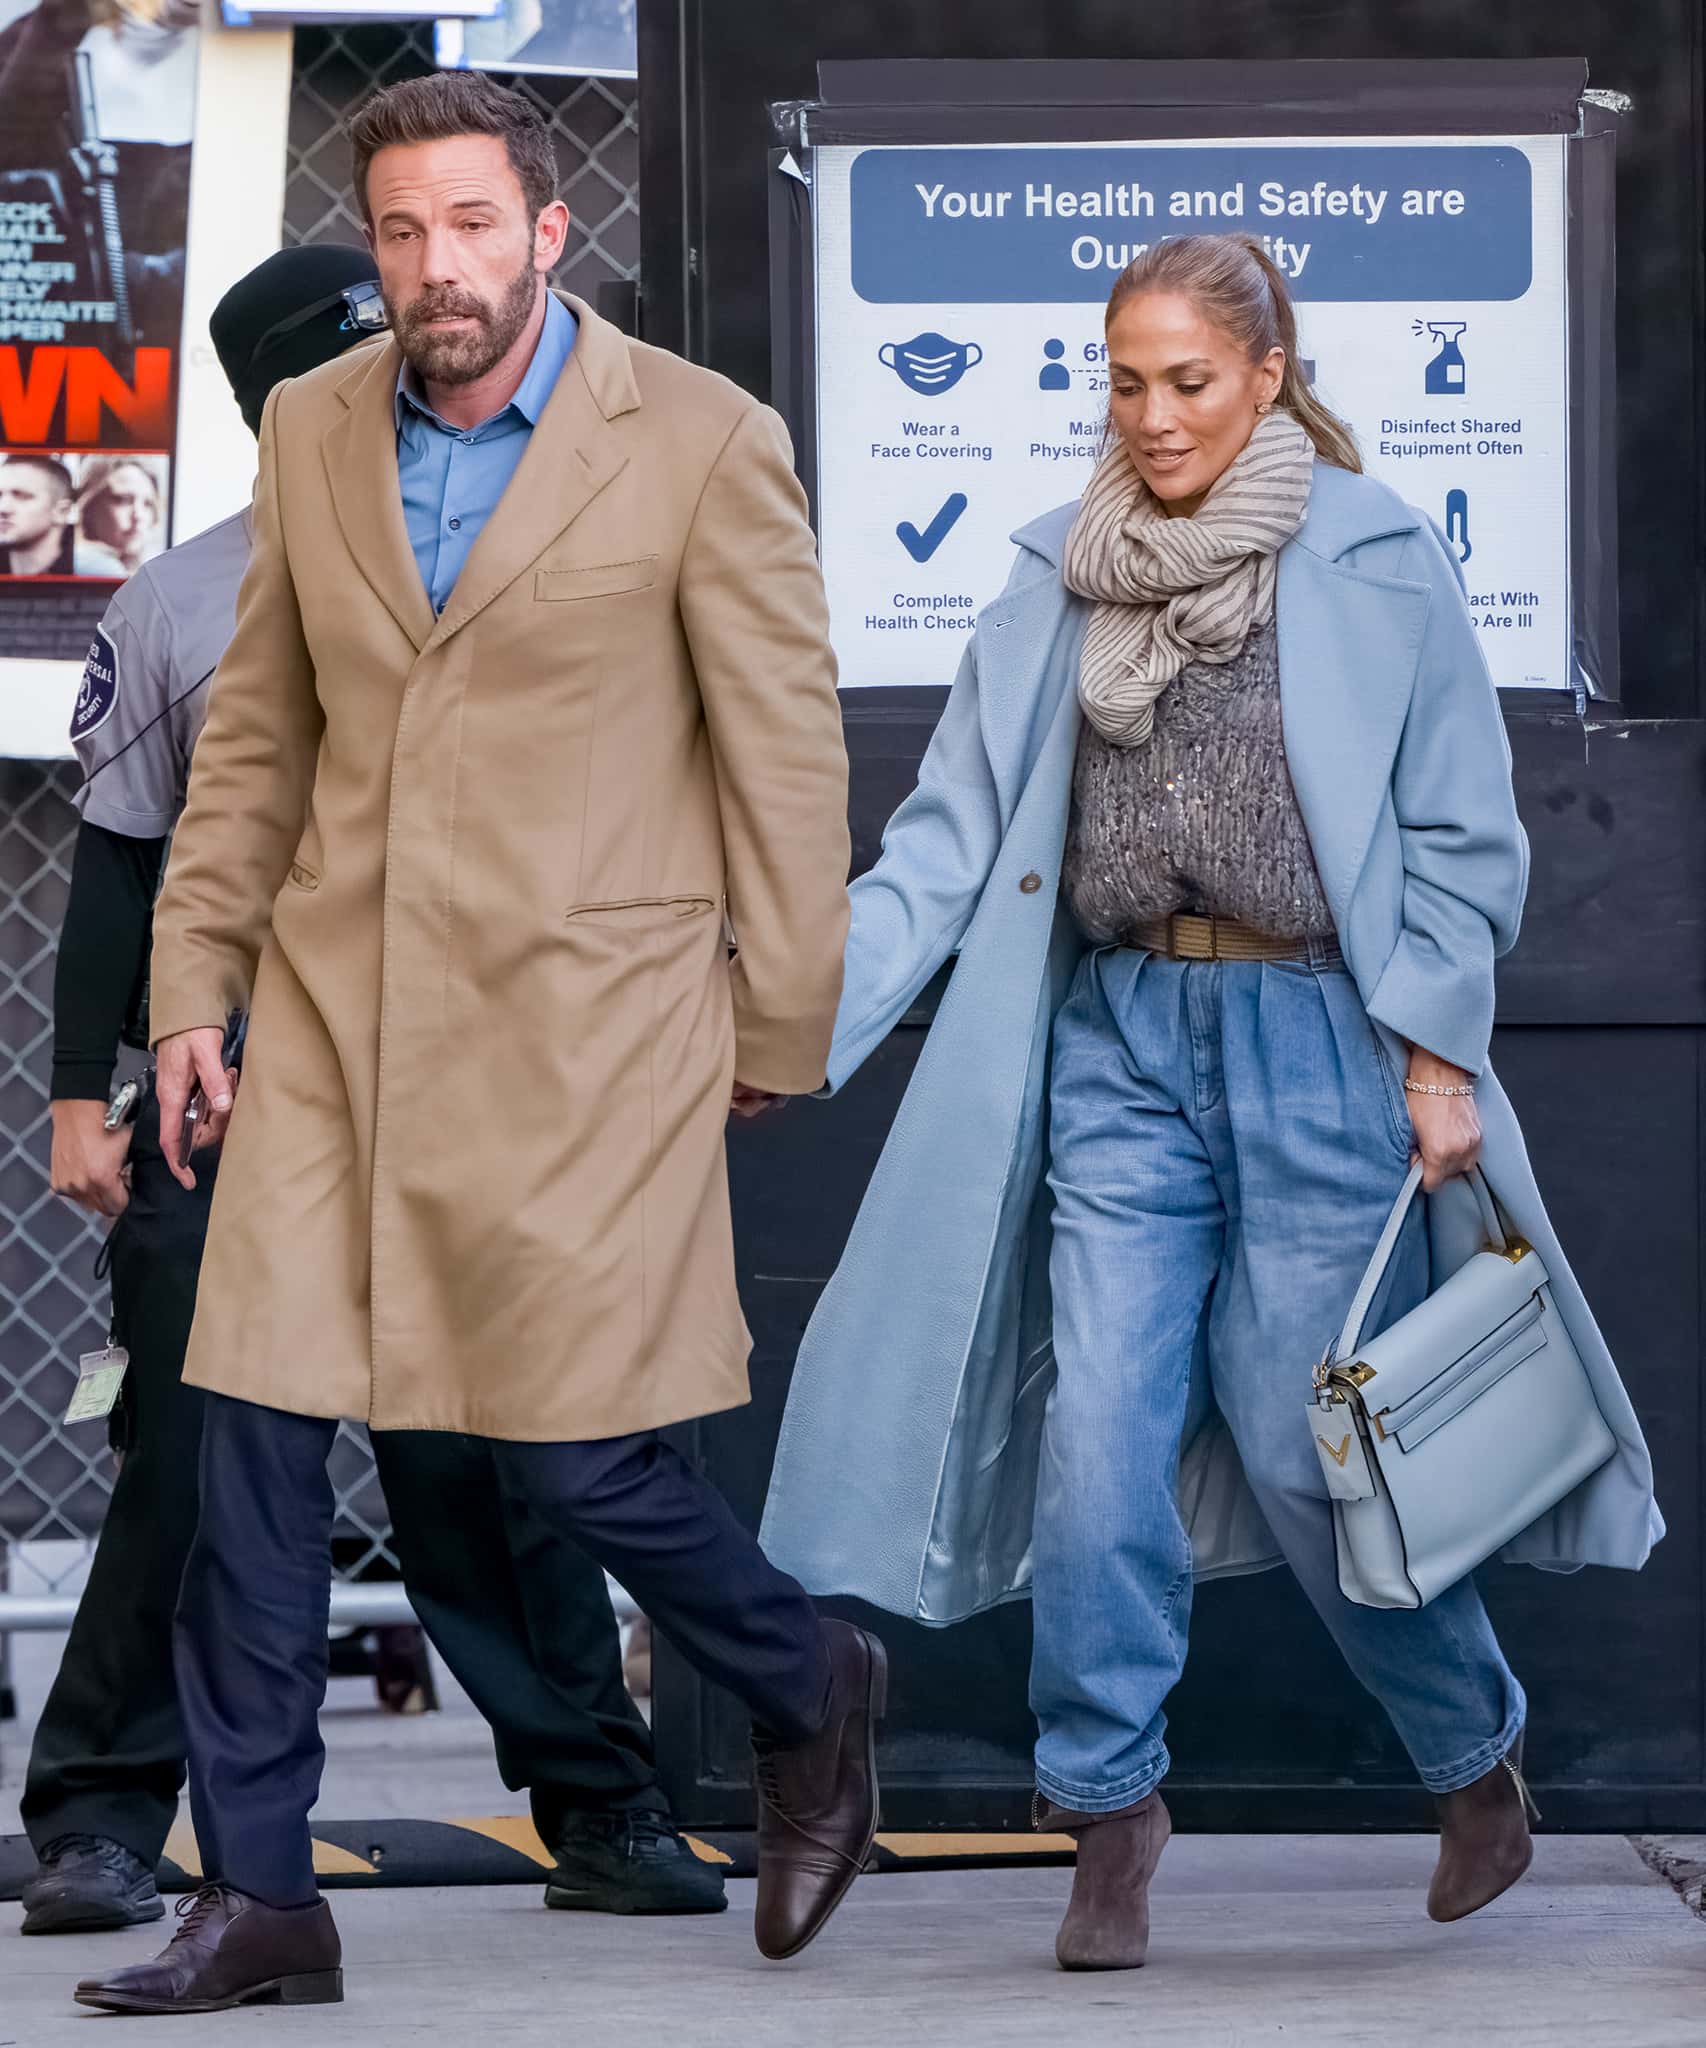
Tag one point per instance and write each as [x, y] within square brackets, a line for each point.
[1219, 821]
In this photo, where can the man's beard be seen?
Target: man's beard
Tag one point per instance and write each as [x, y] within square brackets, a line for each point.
[466, 357]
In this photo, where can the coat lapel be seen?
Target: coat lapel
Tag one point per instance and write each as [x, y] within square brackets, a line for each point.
[361, 464]
[1348, 648]
[571, 455]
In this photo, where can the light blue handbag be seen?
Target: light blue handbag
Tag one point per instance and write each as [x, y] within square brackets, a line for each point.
[1454, 1429]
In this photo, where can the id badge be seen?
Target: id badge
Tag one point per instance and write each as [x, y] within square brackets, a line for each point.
[100, 1374]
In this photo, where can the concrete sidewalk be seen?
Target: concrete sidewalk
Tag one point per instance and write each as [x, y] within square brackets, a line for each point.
[1314, 1941]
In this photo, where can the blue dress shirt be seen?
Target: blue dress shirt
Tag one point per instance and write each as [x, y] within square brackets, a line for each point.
[453, 477]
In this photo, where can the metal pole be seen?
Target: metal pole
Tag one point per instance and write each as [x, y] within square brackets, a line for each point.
[357, 1606]
[360, 1606]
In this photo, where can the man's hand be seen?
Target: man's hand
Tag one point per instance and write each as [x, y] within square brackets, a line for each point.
[752, 1102]
[89, 1160]
[184, 1060]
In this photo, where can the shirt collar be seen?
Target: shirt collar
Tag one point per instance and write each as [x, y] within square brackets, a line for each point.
[550, 354]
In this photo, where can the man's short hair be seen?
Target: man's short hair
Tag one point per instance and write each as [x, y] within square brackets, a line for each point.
[446, 104]
[49, 465]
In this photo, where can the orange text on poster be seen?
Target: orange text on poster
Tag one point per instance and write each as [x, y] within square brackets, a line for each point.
[90, 387]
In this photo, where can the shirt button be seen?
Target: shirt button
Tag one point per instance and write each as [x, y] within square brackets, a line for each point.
[456, 526]
[1031, 884]
[467, 440]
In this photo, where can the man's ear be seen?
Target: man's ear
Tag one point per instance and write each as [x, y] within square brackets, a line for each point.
[550, 235]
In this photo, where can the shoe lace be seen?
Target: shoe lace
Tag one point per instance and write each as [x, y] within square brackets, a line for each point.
[196, 1908]
[69, 1845]
[765, 1771]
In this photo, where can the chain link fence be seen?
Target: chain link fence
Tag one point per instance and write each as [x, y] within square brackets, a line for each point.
[53, 1482]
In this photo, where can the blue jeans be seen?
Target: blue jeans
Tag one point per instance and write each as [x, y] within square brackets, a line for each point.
[1227, 1139]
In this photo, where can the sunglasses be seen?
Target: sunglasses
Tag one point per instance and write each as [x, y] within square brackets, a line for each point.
[364, 313]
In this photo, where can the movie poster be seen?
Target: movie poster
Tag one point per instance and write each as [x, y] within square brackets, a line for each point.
[97, 108]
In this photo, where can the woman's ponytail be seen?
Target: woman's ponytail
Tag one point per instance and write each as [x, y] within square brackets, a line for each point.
[1334, 441]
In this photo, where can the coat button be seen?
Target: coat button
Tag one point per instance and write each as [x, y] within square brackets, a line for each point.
[1031, 884]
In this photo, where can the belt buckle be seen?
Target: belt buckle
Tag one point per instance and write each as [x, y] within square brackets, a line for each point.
[1179, 918]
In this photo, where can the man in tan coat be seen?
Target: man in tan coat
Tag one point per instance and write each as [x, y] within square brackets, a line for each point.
[529, 708]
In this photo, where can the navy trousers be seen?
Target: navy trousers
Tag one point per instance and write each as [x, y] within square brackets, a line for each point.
[250, 1634]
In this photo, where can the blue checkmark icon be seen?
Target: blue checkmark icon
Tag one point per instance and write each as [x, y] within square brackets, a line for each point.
[921, 546]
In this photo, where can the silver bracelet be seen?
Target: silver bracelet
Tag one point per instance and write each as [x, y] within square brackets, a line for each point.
[1433, 1088]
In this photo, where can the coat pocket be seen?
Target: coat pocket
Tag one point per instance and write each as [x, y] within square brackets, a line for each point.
[639, 913]
[600, 579]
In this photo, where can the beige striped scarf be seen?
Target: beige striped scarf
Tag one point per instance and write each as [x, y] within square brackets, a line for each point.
[1173, 591]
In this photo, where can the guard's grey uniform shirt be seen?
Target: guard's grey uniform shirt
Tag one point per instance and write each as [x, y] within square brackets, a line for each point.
[157, 646]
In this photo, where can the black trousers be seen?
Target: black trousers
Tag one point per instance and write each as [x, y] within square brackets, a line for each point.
[520, 1614]
[108, 1757]
[251, 1625]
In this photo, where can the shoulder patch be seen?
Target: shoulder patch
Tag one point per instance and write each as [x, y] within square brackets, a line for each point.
[99, 691]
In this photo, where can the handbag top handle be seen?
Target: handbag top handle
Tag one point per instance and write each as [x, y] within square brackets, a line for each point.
[1497, 1239]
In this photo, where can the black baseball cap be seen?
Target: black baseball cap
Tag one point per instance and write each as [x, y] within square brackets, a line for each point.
[295, 311]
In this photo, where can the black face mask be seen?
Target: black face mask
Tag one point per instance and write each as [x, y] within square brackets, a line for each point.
[305, 339]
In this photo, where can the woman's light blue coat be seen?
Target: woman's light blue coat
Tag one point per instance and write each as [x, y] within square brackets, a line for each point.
[906, 1471]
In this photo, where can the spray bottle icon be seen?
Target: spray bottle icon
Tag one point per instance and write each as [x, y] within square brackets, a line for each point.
[1447, 373]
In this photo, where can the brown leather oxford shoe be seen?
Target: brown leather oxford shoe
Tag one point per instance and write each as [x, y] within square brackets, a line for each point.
[230, 1950]
[817, 1800]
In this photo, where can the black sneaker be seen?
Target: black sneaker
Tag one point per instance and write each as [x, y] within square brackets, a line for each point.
[630, 1863]
[86, 1885]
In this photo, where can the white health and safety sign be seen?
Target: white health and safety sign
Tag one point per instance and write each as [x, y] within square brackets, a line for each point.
[962, 378]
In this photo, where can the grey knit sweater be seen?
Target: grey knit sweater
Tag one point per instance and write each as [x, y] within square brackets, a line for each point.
[1203, 817]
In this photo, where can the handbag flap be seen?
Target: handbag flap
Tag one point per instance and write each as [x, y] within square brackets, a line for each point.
[1459, 1315]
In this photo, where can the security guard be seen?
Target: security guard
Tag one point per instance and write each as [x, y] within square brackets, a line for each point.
[521, 1617]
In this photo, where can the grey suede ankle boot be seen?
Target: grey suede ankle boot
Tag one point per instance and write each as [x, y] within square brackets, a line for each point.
[1107, 1924]
[1484, 1843]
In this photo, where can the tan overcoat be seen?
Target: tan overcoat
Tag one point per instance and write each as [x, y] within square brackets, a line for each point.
[476, 876]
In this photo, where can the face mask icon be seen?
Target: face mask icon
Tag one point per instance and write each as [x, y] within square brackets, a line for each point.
[930, 363]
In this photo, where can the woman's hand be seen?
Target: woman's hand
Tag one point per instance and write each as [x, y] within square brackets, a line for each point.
[753, 1102]
[1447, 1127]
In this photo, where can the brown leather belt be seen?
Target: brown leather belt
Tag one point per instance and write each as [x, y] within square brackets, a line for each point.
[1184, 936]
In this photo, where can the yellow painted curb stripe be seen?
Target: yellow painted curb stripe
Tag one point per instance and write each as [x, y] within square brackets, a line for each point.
[329, 1860]
[513, 1831]
[517, 1832]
